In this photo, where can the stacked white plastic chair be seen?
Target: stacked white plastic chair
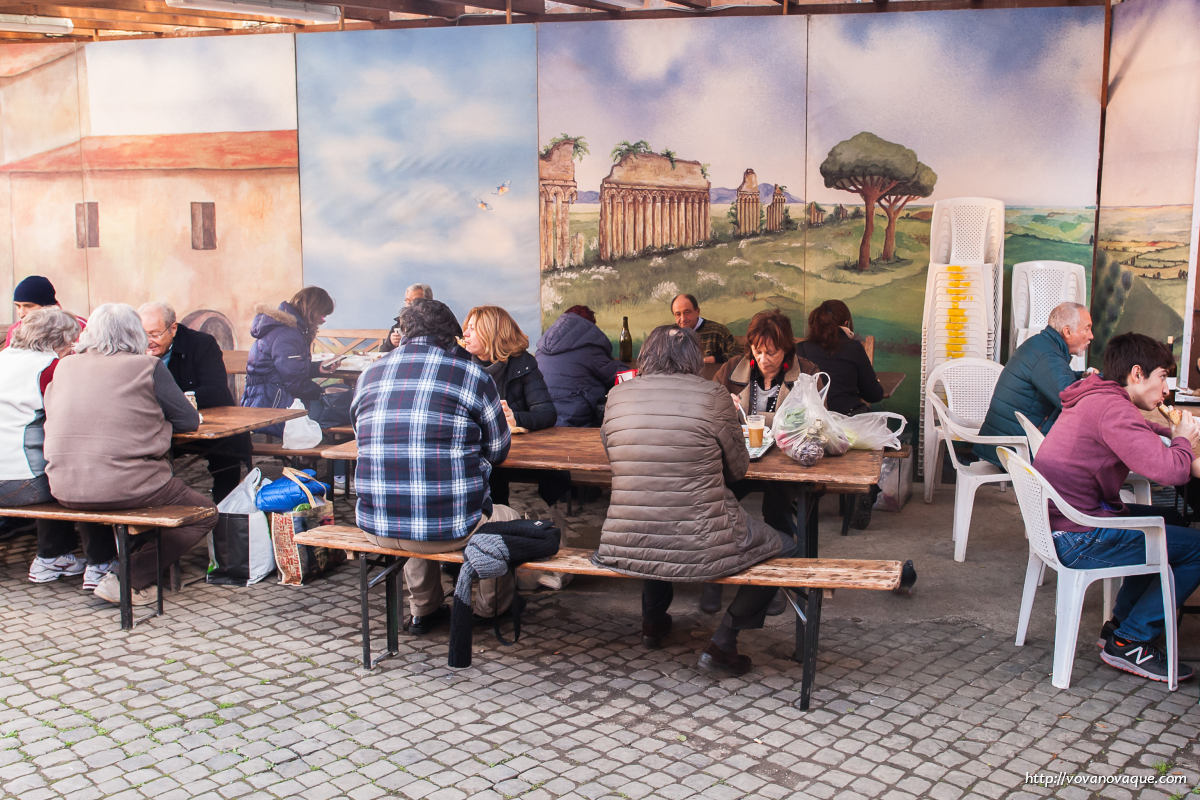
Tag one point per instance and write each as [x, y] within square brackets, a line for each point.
[1039, 286]
[963, 297]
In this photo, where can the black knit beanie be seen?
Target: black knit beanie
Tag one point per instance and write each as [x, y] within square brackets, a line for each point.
[35, 289]
[496, 548]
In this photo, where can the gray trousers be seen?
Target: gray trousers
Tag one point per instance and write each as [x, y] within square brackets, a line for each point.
[423, 578]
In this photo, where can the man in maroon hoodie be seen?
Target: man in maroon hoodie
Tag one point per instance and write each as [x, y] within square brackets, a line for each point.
[1100, 437]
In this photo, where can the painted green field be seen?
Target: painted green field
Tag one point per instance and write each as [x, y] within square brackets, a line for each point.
[794, 270]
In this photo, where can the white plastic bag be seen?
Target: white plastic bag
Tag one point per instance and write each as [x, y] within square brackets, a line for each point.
[802, 417]
[239, 547]
[870, 431]
[301, 433]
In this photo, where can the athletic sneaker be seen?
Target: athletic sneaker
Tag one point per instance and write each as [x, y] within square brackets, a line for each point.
[94, 572]
[1140, 658]
[109, 588]
[44, 570]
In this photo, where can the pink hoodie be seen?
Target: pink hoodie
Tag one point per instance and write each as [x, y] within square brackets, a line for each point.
[1100, 437]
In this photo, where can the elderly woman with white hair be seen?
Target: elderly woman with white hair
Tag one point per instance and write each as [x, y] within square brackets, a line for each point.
[110, 414]
[27, 367]
[675, 445]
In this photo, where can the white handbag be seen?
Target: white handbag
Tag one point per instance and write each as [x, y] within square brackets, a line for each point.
[301, 433]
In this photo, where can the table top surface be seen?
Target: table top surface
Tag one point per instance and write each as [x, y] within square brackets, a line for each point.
[580, 450]
[890, 381]
[222, 421]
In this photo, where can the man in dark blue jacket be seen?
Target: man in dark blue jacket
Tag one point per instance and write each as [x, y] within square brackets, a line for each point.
[195, 361]
[1034, 376]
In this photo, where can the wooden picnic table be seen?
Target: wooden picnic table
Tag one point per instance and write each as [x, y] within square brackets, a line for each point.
[580, 450]
[222, 421]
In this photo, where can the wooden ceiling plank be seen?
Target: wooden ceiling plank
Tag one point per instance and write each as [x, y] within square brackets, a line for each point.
[118, 17]
[598, 5]
[445, 9]
[536, 8]
[701, 4]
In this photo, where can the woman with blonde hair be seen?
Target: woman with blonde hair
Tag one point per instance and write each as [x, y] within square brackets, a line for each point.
[492, 336]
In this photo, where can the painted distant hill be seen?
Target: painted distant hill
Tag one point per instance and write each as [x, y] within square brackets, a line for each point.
[718, 195]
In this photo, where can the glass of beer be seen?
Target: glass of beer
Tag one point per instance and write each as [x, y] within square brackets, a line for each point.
[754, 429]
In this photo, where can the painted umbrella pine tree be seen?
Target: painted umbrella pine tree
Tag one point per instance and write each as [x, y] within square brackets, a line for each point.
[894, 201]
[870, 167]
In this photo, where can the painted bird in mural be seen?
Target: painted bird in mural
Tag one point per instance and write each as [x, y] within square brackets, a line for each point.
[483, 206]
[502, 188]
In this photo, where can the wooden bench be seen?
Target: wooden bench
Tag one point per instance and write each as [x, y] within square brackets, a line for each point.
[126, 523]
[809, 575]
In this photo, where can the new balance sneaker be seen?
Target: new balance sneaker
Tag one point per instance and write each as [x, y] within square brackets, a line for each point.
[109, 588]
[1140, 658]
[44, 570]
[94, 572]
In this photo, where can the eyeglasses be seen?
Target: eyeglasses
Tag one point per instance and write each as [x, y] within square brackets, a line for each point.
[156, 335]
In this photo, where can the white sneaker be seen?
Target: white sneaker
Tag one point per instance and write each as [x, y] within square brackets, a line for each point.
[44, 570]
[109, 588]
[94, 572]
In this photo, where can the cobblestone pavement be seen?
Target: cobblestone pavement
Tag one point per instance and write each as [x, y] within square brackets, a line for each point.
[259, 693]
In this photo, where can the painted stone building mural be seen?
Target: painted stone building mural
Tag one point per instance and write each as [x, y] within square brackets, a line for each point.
[650, 200]
[556, 191]
[748, 204]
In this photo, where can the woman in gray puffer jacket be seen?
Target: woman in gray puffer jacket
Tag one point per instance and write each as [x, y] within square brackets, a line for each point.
[675, 444]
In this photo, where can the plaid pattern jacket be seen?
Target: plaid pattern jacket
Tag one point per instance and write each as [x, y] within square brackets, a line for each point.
[717, 341]
[429, 428]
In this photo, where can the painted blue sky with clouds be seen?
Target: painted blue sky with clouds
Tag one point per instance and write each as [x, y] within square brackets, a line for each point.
[999, 102]
[402, 135]
[726, 92]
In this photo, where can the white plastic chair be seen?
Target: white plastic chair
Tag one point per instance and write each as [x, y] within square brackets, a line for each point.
[1033, 494]
[1138, 491]
[1039, 286]
[967, 385]
[971, 476]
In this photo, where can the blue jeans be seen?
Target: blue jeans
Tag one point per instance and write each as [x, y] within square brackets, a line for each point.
[1139, 603]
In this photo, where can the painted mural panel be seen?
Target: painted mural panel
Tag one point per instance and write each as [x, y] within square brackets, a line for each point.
[39, 112]
[1150, 167]
[672, 161]
[417, 165]
[196, 133]
[907, 109]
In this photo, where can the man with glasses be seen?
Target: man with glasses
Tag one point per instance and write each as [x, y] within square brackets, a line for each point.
[194, 359]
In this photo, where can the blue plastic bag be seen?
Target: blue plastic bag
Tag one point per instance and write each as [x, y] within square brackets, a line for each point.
[287, 493]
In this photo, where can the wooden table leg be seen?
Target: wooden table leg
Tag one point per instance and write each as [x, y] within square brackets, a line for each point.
[123, 571]
[364, 588]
